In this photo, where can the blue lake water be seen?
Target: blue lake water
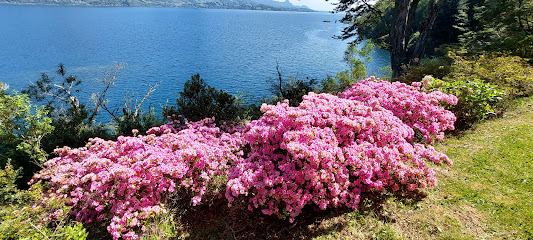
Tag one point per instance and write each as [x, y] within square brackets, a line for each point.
[233, 50]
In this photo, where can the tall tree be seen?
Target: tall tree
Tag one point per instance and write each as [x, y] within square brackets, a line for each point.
[497, 25]
[409, 28]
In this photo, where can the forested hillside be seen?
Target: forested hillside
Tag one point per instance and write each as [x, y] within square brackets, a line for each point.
[223, 4]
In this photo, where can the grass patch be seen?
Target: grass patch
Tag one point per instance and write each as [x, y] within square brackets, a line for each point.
[493, 172]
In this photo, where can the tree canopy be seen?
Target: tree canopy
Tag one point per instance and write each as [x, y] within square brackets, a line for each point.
[412, 29]
[408, 25]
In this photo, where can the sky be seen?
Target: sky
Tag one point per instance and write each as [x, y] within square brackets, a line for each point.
[320, 5]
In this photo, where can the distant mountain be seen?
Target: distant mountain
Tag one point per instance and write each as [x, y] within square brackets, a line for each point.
[285, 4]
[226, 4]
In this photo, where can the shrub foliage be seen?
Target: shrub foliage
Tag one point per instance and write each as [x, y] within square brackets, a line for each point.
[22, 126]
[476, 99]
[511, 73]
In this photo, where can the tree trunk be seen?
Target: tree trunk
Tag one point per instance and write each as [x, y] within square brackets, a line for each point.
[425, 29]
[404, 12]
[401, 30]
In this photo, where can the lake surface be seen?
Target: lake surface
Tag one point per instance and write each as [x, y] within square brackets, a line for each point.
[233, 50]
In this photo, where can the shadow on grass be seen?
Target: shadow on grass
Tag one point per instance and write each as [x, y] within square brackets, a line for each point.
[215, 220]
[97, 230]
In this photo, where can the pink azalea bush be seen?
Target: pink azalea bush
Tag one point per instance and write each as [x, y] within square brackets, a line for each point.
[129, 180]
[420, 110]
[327, 152]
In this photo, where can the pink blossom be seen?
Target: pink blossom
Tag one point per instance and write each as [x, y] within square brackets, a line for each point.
[332, 149]
[129, 179]
[326, 152]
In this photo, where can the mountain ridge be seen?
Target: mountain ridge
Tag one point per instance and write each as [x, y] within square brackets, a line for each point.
[269, 5]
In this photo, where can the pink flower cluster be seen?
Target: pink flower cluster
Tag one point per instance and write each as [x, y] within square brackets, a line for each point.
[417, 109]
[327, 152]
[130, 179]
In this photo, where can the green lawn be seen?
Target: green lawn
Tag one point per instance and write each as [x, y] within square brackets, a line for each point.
[493, 173]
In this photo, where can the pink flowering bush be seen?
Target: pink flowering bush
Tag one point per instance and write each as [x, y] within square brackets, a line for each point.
[330, 150]
[129, 180]
[419, 110]
[326, 152]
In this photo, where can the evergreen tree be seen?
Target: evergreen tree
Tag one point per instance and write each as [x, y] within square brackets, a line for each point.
[496, 25]
[199, 100]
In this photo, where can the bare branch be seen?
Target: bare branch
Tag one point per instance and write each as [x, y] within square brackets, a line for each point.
[108, 80]
[280, 79]
[150, 91]
[38, 229]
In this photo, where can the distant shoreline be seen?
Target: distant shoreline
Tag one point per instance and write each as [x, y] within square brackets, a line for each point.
[254, 8]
